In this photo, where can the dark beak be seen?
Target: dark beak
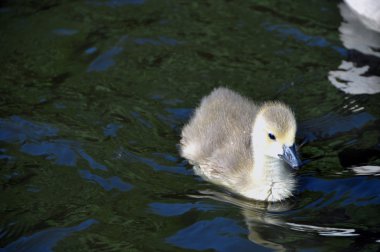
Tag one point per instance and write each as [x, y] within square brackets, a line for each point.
[291, 156]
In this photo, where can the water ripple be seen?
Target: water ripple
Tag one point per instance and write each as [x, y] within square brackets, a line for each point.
[125, 154]
[219, 234]
[31, 135]
[105, 60]
[47, 239]
[111, 129]
[332, 124]
[107, 183]
[17, 129]
[175, 209]
[65, 32]
[314, 41]
[117, 3]
[357, 191]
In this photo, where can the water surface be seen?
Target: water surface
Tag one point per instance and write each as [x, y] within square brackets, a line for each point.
[93, 97]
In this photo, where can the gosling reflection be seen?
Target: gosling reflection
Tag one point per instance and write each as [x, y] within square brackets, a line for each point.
[271, 226]
[260, 217]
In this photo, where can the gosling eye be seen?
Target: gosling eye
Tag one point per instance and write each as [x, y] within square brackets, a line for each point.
[271, 136]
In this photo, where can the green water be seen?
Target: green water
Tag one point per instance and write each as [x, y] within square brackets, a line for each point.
[93, 97]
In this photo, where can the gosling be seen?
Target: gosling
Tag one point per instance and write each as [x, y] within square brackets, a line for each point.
[244, 147]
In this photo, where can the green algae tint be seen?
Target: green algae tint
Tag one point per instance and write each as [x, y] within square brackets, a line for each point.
[93, 97]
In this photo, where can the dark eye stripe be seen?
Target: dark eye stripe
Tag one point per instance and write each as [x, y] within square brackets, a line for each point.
[271, 136]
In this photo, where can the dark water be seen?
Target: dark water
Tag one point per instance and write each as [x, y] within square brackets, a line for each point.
[93, 97]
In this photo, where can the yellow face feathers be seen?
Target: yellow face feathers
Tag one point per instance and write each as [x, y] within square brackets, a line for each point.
[274, 130]
[279, 122]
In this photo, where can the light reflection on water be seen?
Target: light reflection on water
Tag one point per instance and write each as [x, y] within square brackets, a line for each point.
[360, 73]
[107, 59]
[46, 240]
[285, 30]
[116, 3]
[31, 135]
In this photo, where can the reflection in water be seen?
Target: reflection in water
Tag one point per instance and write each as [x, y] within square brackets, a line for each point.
[356, 76]
[138, 117]
[353, 80]
[65, 32]
[344, 192]
[276, 225]
[111, 129]
[175, 209]
[132, 157]
[218, 234]
[260, 217]
[368, 11]
[355, 35]
[181, 114]
[57, 174]
[331, 124]
[357, 157]
[116, 3]
[366, 170]
[324, 231]
[105, 60]
[288, 31]
[90, 50]
[63, 152]
[4, 156]
[107, 183]
[19, 130]
[46, 240]
[35, 140]
[162, 40]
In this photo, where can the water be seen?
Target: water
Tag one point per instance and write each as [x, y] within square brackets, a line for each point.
[93, 97]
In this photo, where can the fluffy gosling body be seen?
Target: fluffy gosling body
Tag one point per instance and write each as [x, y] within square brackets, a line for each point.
[244, 147]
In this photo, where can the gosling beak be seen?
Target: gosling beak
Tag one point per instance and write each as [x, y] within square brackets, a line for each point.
[291, 156]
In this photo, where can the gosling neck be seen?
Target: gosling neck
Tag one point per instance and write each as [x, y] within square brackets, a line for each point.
[265, 168]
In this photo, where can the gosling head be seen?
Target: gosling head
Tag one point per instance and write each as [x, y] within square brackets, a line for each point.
[274, 132]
